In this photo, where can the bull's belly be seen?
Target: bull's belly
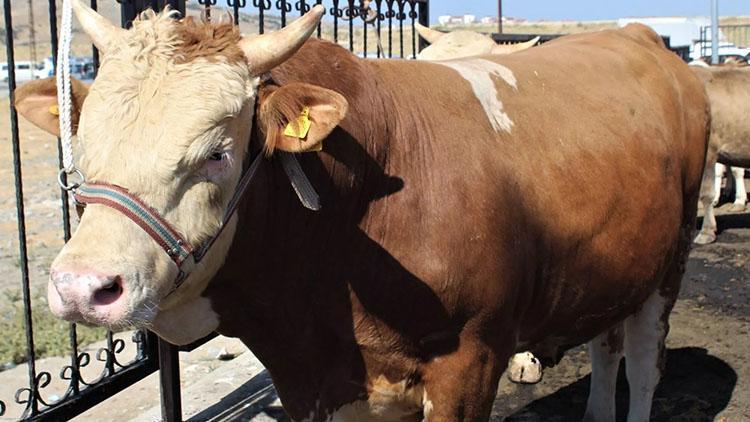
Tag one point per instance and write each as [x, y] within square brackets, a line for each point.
[571, 315]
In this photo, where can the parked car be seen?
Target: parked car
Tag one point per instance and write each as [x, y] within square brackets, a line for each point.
[81, 68]
[25, 71]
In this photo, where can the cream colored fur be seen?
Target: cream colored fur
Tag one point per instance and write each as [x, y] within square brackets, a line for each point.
[142, 129]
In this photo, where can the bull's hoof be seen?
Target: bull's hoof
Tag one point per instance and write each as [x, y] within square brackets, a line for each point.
[737, 207]
[704, 238]
[524, 368]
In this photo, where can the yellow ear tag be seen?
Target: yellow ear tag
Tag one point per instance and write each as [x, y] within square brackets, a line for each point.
[53, 110]
[301, 127]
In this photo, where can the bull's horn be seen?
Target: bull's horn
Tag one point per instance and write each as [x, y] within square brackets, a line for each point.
[267, 51]
[101, 30]
[430, 35]
[514, 48]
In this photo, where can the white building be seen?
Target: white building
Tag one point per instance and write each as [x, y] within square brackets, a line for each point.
[447, 20]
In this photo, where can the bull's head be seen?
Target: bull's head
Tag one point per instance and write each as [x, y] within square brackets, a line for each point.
[168, 118]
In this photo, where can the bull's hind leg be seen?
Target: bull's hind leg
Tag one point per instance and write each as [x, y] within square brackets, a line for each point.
[644, 351]
[708, 188]
[740, 194]
[605, 351]
[719, 170]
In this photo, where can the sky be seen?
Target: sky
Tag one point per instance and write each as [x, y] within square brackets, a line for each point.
[587, 9]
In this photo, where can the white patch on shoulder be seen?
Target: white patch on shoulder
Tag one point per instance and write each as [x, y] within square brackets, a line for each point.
[479, 72]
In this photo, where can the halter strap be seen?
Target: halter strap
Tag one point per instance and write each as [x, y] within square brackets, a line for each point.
[155, 225]
[120, 199]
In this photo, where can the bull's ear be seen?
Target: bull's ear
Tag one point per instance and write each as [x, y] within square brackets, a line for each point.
[297, 117]
[37, 102]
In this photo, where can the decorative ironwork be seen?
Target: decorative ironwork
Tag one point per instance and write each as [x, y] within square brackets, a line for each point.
[80, 393]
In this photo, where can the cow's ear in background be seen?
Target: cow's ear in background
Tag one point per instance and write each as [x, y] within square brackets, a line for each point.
[297, 117]
[37, 102]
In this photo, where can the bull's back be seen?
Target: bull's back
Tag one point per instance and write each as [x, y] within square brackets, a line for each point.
[570, 194]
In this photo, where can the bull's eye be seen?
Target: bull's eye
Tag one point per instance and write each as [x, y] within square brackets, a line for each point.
[216, 156]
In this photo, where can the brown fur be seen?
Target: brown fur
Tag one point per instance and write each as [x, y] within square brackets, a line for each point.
[211, 41]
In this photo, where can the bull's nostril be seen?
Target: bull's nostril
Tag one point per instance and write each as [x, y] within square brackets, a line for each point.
[109, 292]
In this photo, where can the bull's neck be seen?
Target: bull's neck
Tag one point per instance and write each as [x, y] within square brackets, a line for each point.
[279, 239]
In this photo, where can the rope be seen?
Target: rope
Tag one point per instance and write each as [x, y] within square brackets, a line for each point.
[64, 94]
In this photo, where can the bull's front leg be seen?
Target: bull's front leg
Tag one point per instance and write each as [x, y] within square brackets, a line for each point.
[740, 194]
[461, 386]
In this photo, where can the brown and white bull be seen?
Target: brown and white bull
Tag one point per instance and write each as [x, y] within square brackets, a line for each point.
[728, 89]
[436, 255]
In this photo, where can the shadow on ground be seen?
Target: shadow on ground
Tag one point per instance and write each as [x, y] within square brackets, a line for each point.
[695, 387]
[729, 221]
[254, 400]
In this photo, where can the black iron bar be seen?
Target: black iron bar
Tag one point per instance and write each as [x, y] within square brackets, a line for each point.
[363, 15]
[32, 405]
[94, 50]
[413, 17]
[336, 12]
[320, 24]
[261, 15]
[379, 20]
[169, 382]
[423, 10]
[350, 15]
[390, 15]
[281, 5]
[235, 4]
[401, 18]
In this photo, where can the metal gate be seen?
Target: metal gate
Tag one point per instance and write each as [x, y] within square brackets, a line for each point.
[371, 28]
[737, 35]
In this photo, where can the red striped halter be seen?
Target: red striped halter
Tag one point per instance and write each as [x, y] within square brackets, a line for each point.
[155, 225]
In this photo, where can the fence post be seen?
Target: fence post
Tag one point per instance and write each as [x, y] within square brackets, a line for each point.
[169, 382]
[424, 19]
